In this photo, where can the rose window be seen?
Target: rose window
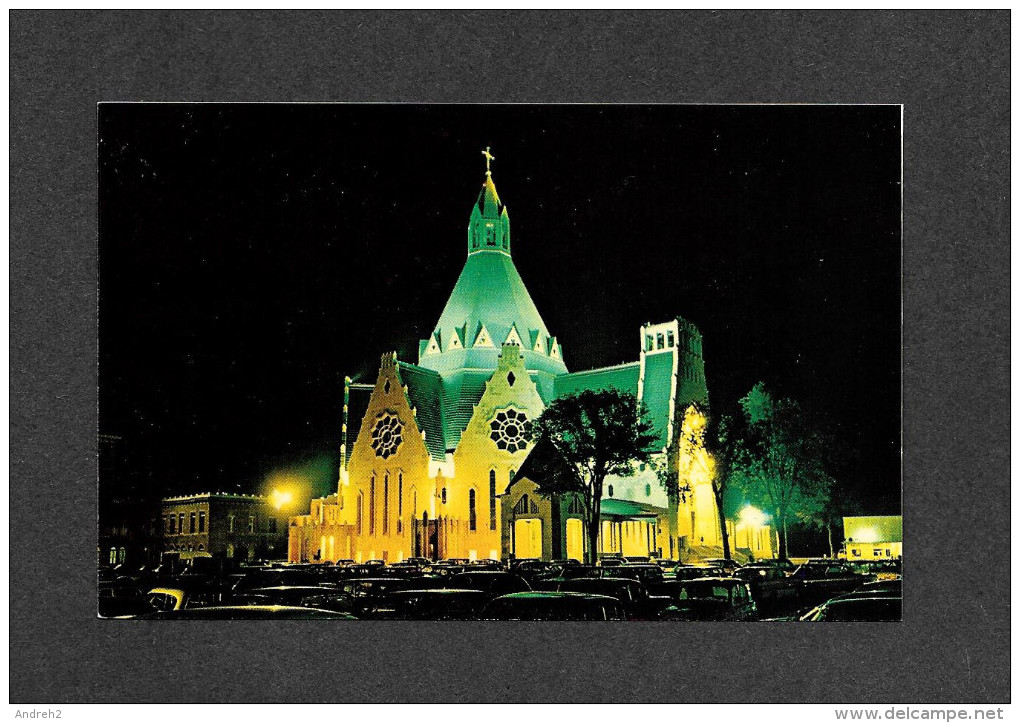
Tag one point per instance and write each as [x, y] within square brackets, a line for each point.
[387, 435]
[509, 430]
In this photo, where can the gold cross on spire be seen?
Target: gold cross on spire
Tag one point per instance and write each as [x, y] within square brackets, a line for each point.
[489, 158]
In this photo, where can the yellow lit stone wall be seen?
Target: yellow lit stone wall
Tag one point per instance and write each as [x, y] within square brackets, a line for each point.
[479, 459]
[388, 482]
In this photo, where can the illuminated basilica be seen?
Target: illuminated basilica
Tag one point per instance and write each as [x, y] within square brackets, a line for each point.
[431, 470]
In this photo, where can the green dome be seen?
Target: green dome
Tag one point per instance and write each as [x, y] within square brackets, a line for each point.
[489, 307]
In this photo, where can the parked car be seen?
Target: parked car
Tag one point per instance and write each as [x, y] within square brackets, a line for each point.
[275, 577]
[721, 563]
[530, 569]
[184, 596]
[368, 594]
[320, 598]
[490, 582]
[248, 612]
[439, 604]
[646, 573]
[122, 598]
[823, 580]
[771, 589]
[879, 588]
[553, 606]
[879, 569]
[631, 594]
[857, 609]
[714, 598]
[694, 572]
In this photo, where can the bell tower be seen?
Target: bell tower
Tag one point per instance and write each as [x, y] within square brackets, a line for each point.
[489, 227]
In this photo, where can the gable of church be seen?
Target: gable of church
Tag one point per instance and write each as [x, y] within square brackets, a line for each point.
[389, 436]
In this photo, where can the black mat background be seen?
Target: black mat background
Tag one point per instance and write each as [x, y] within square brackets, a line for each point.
[950, 70]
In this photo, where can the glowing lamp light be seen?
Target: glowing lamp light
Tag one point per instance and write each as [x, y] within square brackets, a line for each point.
[752, 516]
[280, 498]
[867, 534]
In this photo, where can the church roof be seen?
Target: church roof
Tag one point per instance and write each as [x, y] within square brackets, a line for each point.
[656, 392]
[425, 395]
[490, 294]
[488, 200]
[623, 378]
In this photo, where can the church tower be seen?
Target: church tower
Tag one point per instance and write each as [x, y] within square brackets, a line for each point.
[488, 308]
[489, 227]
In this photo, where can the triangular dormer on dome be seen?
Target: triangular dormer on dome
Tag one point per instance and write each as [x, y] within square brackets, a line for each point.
[482, 338]
[457, 338]
[434, 344]
[513, 338]
[555, 352]
[536, 341]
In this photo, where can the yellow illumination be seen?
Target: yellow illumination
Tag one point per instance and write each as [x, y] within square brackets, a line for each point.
[281, 497]
[752, 517]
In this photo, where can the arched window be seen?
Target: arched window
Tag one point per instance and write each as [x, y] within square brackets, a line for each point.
[386, 505]
[472, 512]
[371, 507]
[648, 490]
[121, 554]
[443, 495]
[113, 555]
[400, 502]
[492, 499]
[610, 490]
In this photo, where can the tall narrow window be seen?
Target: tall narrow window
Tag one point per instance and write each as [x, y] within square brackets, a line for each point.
[201, 521]
[180, 523]
[670, 340]
[443, 495]
[251, 523]
[191, 523]
[361, 511]
[230, 525]
[492, 499]
[400, 502]
[386, 505]
[472, 512]
[659, 341]
[173, 524]
[371, 507]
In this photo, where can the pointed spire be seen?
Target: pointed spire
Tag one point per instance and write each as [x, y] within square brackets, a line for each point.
[489, 227]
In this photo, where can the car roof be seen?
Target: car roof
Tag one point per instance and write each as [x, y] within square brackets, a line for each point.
[443, 591]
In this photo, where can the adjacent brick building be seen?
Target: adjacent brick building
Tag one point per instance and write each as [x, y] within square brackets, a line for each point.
[240, 527]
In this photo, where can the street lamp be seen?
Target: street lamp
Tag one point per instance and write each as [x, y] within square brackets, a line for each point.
[280, 498]
[753, 517]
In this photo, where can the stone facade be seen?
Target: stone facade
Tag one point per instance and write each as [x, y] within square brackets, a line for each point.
[240, 527]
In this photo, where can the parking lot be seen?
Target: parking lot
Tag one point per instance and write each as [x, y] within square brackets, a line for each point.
[420, 589]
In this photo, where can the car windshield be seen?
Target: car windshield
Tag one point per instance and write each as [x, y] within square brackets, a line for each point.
[702, 590]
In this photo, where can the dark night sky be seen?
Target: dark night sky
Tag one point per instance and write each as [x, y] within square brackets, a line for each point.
[252, 255]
